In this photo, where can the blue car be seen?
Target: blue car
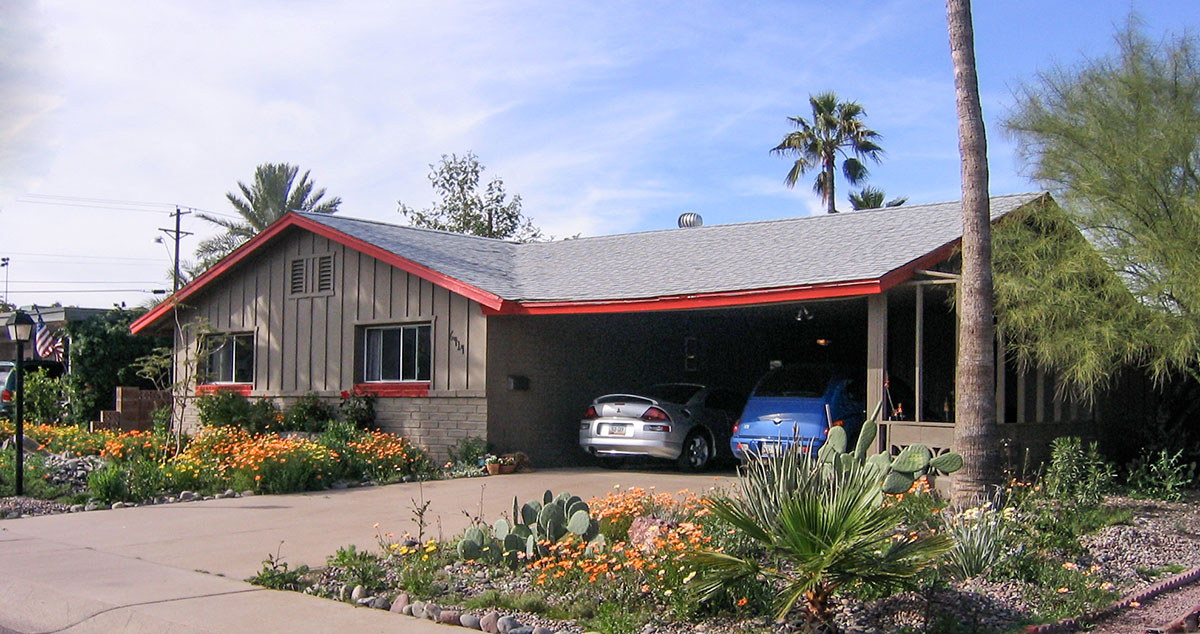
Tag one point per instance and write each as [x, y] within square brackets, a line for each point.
[798, 404]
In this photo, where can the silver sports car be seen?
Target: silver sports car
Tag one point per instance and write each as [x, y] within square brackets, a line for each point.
[675, 421]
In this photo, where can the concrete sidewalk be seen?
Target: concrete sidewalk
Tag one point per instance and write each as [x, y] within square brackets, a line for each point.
[178, 568]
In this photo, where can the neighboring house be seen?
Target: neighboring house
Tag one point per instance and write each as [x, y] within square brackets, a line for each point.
[459, 335]
[56, 318]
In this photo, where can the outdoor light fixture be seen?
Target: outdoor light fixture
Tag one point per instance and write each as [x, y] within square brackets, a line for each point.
[824, 342]
[20, 329]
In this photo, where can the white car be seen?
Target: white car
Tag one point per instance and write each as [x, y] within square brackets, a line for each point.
[683, 422]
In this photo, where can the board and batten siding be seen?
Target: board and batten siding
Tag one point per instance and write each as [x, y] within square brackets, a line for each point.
[314, 343]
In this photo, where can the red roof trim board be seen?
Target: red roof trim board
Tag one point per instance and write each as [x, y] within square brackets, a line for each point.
[698, 300]
[212, 388]
[295, 220]
[394, 389]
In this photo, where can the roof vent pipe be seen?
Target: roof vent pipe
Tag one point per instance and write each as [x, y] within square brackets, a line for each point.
[690, 219]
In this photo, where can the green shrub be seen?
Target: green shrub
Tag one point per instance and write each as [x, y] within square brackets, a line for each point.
[980, 535]
[109, 484]
[357, 568]
[357, 408]
[228, 408]
[36, 480]
[1160, 476]
[44, 398]
[145, 479]
[309, 413]
[1077, 476]
[469, 451]
[276, 575]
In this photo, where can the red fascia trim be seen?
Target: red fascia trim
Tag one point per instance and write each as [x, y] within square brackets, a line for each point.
[389, 390]
[420, 270]
[701, 300]
[292, 219]
[212, 388]
[906, 272]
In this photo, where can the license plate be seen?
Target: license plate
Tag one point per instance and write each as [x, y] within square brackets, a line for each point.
[769, 449]
[618, 430]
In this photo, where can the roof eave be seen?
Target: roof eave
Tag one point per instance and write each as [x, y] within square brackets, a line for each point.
[292, 219]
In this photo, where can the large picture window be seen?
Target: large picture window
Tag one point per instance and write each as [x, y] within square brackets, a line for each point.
[229, 359]
[398, 353]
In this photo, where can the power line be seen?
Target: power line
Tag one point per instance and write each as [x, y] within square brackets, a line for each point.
[83, 257]
[86, 281]
[93, 290]
[114, 204]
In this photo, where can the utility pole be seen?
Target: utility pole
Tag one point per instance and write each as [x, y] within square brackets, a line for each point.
[176, 234]
[4, 263]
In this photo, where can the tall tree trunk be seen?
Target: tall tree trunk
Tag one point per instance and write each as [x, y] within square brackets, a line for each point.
[975, 411]
[830, 171]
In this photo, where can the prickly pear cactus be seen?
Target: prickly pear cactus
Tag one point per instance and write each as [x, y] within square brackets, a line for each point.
[897, 474]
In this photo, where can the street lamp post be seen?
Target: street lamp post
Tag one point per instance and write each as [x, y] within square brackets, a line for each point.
[20, 327]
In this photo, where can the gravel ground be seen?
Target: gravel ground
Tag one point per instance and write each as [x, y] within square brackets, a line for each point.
[12, 507]
[1154, 613]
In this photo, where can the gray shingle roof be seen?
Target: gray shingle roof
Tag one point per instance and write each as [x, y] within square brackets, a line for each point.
[860, 245]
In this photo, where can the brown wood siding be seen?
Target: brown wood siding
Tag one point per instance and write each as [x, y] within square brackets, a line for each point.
[310, 343]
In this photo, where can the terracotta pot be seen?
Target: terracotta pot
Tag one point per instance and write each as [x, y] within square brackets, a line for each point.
[508, 468]
[493, 469]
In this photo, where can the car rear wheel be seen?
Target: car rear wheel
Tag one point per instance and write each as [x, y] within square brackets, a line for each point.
[697, 453]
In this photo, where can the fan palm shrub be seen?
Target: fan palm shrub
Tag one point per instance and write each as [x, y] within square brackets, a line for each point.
[821, 531]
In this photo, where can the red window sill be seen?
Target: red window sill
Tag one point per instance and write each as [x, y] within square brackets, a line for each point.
[407, 389]
[212, 388]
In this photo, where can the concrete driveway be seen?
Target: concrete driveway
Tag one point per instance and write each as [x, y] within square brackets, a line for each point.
[178, 568]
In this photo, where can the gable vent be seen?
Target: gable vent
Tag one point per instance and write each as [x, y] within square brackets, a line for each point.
[324, 274]
[298, 276]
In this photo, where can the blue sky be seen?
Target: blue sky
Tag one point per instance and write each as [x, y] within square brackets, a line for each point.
[605, 117]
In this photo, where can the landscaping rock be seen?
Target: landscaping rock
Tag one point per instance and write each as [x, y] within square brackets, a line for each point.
[541, 630]
[432, 611]
[364, 601]
[407, 610]
[469, 620]
[357, 593]
[230, 493]
[92, 506]
[418, 609]
[489, 623]
[187, 496]
[449, 617]
[438, 587]
[12, 515]
[645, 531]
[77, 508]
[507, 624]
[400, 602]
[524, 629]
[247, 494]
[219, 496]
[379, 603]
[117, 505]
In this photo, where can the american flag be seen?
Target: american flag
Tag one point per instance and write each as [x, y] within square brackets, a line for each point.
[48, 346]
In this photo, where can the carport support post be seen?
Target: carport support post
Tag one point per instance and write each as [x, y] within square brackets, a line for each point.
[877, 357]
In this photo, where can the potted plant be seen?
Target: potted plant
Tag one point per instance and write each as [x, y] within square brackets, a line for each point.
[508, 464]
[492, 463]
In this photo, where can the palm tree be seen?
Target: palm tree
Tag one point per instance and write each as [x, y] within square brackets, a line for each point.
[823, 530]
[836, 129]
[273, 193]
[872, 198]
[975, 406]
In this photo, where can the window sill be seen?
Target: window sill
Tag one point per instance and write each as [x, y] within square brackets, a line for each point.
[414, 389]
[212, 388]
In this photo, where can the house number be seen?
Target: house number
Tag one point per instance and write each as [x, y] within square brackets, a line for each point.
[458, 345]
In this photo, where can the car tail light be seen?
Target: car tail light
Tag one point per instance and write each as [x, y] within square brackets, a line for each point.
[663, 428]
[6, 396]
[590, 413]
[737, 423]
[656, 414]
